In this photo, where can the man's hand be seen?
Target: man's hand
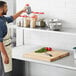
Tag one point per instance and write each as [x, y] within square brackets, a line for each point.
[24, 9]
[6, 59]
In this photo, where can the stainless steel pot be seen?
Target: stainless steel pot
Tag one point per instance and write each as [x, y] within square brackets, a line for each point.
[55, 25]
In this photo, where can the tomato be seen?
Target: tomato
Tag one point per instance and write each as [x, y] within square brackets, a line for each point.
[48, 48]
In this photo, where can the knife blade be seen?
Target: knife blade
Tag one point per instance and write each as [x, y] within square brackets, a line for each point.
[49, 54]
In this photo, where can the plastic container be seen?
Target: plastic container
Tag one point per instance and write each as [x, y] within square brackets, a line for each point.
[42, 23]
[28, 9]
[40, 15]
[33, 22]
[34, 14]
[39, 18]
[26, 21]
[20, 22]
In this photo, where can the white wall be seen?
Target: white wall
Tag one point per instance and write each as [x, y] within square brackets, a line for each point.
[54, 40]
[11, 6]
[62, 9]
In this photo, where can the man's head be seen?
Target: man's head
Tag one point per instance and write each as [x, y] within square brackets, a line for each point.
[3, 8]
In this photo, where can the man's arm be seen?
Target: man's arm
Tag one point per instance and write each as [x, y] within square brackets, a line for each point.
[18, 13]
[5, 56]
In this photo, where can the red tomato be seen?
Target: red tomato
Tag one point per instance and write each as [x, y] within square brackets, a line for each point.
[49, 49]
[46, 48]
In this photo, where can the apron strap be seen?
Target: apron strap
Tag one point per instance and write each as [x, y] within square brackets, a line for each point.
[7, 39]
[8, 44]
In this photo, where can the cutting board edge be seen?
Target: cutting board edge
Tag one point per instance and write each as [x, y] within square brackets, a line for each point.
[50, 60]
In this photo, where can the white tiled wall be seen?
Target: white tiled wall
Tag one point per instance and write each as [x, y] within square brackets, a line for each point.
[54, 40]
[62, 9]
[11, 4]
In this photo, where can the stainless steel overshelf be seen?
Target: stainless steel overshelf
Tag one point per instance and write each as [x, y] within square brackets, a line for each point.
[66, 62]
[64, 30]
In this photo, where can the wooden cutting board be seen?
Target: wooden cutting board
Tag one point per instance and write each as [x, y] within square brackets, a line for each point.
[44, 57]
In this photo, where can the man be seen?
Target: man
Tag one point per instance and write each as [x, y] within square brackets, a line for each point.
[4, 58]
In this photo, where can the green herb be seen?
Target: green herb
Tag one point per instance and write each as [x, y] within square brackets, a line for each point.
[41, 50]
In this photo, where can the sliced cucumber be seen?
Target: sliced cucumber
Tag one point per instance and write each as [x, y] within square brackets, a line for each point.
[41, 50]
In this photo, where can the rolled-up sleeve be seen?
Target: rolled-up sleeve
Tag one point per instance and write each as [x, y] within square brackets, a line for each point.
[1, 31]
[9, 19]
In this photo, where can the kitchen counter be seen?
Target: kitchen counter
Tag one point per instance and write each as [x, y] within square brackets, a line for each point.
[57, 39]
[66, 62]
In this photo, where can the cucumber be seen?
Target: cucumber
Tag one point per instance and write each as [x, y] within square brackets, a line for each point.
[41, 50]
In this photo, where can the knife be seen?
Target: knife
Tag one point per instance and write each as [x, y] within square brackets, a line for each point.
[49, 54]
